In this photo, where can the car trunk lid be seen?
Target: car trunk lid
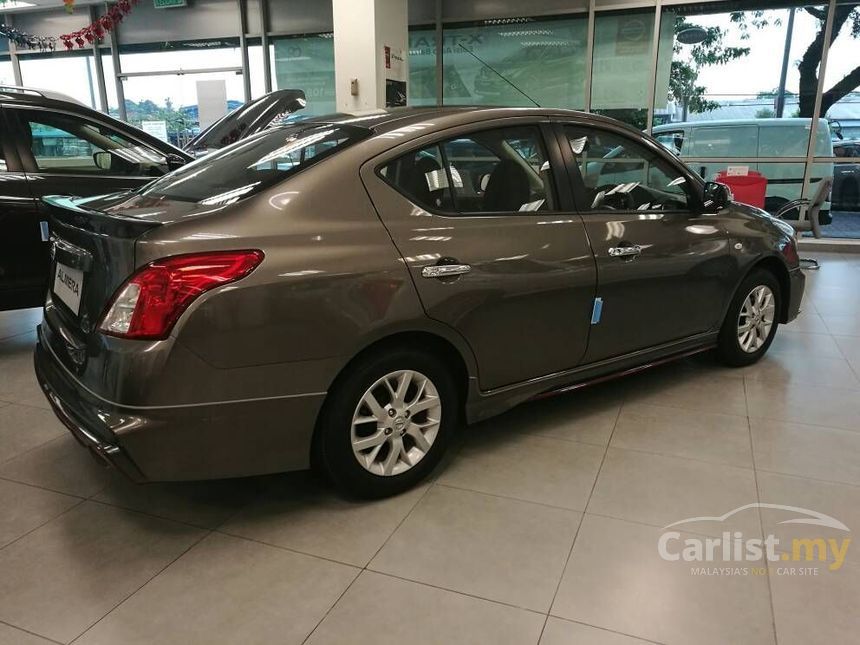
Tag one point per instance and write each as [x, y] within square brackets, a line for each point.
[265, 112]
[92, 254]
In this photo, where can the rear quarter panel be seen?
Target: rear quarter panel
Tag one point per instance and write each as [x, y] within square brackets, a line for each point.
[331, 283]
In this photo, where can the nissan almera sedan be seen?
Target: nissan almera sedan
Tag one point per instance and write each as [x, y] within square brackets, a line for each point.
[346, 291]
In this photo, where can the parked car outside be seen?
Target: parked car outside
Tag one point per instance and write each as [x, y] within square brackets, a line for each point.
[700, 141]
[846, 176]
[345, 291]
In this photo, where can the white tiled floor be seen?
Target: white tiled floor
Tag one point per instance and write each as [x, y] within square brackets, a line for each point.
[541, 527]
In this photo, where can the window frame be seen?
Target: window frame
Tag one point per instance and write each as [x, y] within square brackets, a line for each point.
[546, 137]
[17, 121]
[578, 189]
[9, 143]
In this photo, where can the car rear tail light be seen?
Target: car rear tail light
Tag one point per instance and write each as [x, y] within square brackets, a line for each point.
[152, 299]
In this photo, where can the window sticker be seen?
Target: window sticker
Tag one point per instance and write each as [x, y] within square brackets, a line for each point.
[436, 179]
[532, 206]
[578, 145]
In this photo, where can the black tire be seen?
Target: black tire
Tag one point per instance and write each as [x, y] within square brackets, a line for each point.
[729, 348]
[333, 452]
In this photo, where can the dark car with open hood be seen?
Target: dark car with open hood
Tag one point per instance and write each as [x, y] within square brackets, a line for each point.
[347, 291]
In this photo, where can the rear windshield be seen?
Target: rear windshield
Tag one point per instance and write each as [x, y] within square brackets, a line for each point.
[250, 165]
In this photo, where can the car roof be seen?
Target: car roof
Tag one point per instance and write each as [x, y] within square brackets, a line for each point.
[437, 117]
[32, 95]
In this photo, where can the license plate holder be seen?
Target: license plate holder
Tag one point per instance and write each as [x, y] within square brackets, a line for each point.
[68, 285]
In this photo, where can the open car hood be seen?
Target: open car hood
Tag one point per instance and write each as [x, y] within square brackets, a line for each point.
[242, 122]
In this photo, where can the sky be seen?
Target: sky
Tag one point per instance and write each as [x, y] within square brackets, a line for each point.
[761, 68]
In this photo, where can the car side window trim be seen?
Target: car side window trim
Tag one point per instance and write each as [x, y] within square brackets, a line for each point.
[438, 141]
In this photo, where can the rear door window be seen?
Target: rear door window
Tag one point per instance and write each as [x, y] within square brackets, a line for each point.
[502, 170]
[421, 176]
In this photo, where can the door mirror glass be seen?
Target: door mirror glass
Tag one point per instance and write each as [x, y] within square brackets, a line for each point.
[102, 160]
[716, 196]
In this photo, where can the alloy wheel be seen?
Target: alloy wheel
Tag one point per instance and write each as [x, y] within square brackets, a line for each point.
[756, 319]
[396, 422]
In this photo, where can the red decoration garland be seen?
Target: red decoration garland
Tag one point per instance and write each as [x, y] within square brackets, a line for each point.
[100, 28]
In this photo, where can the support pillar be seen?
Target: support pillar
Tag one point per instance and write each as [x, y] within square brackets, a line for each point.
[371, 45]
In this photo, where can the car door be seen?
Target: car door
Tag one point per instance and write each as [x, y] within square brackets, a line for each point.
[62, 153]
[495, 250]
[23, 237]
[663, 265]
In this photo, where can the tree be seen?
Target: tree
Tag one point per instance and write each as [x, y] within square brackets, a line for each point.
[811, 59]
[809, 63]
[685, 73]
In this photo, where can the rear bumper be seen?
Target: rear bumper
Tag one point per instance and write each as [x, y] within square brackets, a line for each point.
[58, 390]
[209, 441]
[797, 282]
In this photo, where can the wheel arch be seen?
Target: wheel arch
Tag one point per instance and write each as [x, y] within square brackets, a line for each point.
[423, 340]
[459, 359]
[777, 267]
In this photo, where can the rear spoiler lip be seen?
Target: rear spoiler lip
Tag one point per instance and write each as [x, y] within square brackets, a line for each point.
[65, 203]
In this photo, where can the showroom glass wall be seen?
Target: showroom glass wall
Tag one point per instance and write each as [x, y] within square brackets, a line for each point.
[729, 70]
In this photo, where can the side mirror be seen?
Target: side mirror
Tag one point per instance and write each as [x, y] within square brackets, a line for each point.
[716, 196]
[103, 160]
[175, 161]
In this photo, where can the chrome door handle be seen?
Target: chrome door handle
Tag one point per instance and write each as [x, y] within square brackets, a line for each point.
[445, 270]
[624, 251]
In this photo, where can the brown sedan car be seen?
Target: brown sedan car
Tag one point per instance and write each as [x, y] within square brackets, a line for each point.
[345, 291]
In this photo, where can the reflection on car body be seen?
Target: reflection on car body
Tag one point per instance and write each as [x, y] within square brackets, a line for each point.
[345, 290]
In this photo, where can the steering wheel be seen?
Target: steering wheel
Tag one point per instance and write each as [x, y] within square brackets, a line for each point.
[615, 201]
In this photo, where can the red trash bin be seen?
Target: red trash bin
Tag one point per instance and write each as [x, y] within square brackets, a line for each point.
[747, 189]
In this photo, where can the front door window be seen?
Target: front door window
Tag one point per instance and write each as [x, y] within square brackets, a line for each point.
[620, 174]
[67, 144]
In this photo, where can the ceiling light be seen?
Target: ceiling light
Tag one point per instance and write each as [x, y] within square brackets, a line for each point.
[15, 4]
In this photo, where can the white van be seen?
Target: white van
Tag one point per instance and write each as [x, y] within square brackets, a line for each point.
[749, 138]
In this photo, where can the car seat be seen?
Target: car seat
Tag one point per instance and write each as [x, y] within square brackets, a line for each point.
[508, 187]
[426, 181]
